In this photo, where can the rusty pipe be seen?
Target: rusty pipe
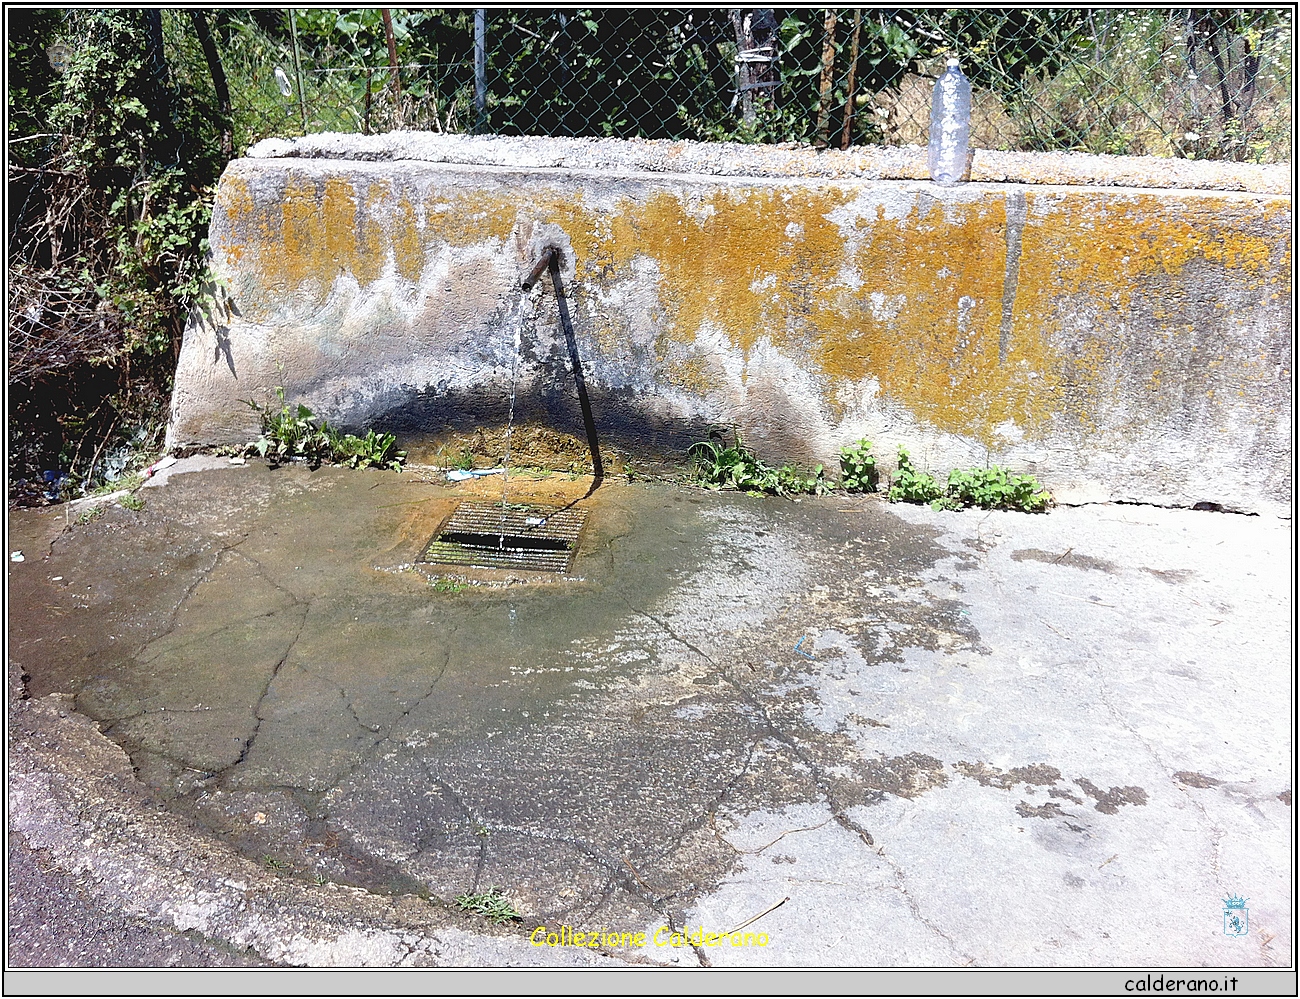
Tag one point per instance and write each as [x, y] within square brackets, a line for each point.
[543, 262]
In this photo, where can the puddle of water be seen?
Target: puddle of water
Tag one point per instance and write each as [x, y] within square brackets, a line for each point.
[257, 643]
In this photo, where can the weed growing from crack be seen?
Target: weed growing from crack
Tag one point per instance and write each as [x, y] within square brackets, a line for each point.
[493, 905]
[132, 481]
[448, 586]
[292, 432]
[465, 460]
[858, 468]
[910, 486]
[717, 465]
[992, 488]
[132, 502]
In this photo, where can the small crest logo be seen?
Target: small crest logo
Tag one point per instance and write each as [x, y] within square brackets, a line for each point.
[1236, 922]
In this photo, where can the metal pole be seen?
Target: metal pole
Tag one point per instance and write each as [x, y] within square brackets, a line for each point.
[297, 68]
[480, 68]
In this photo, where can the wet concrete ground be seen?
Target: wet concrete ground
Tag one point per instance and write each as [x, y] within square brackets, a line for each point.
[1000, 740]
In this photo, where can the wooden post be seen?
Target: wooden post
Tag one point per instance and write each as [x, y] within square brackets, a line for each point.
[853, 71]
[392, 56]
[828, 75]
[219, 85]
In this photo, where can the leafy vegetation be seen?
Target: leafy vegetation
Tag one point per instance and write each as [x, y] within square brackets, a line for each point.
[493, 905]
[992, 488]
[291, 432]
[132, 502]
[719, 465]
[858, 468]
[111, 168]
[907, 485]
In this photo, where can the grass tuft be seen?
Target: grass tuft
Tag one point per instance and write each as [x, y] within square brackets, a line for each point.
[492, 905]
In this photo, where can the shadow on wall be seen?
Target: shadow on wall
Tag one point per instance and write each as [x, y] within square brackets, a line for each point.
[626, 424]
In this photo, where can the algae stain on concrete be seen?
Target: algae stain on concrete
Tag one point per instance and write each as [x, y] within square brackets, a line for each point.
[302, 672]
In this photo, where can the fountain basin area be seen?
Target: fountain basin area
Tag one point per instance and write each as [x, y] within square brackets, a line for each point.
[244, 718]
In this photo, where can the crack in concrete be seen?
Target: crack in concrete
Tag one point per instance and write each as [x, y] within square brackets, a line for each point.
[712, 809]
[189, 590]
[789, 741]
[615, 873]
[819, 779]
[203, 638]
[371, 729]
[900, 880]
[257, 707]
[470, 819]
[442, 671]
[1216, 833]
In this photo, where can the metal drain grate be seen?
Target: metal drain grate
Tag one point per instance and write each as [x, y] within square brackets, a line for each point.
[486, 536]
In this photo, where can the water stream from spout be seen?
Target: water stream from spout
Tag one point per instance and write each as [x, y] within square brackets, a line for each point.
[523, 312]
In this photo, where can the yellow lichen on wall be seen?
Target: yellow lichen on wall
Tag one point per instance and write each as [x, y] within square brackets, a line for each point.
[408, 248]
[767, 263]
[912, 297]
[750, 263]
[322, 229]
[463, 218]
[318, 235]
[235, 201]
[1110, 262]
[936, 350]
[1105, 248]
[376, 220]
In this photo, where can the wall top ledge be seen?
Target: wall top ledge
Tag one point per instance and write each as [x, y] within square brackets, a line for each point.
[661, 156]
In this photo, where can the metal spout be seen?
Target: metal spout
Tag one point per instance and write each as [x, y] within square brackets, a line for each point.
[539, 268]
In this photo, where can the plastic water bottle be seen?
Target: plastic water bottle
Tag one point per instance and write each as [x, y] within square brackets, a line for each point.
[950, 127]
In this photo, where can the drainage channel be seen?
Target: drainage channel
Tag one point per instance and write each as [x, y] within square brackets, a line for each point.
[490, 536]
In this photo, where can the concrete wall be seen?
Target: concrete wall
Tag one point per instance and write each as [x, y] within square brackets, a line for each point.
[1121, 343]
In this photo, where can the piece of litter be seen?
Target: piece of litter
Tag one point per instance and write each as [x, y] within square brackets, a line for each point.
[17, 557]
[56, 578]
[158, 465]
[534, 521]
[238, 461]
[801, 652]
[460, 476]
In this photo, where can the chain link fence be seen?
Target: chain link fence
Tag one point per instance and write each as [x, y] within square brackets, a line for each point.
[1194, 83]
